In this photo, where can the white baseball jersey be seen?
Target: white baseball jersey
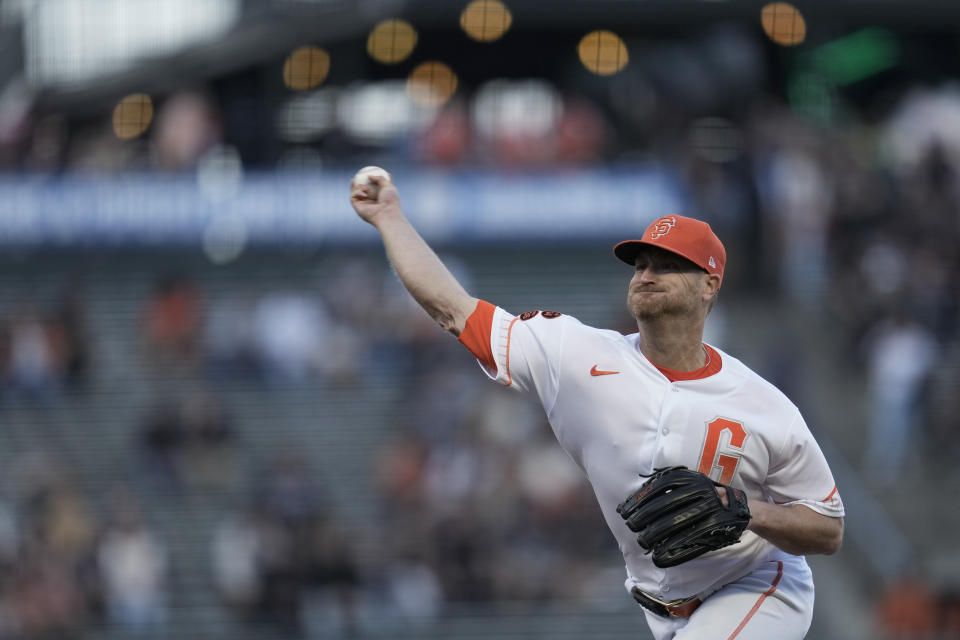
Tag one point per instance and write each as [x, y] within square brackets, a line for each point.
[619, 416]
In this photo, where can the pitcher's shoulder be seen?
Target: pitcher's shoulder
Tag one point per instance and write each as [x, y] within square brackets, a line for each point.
[739, 374]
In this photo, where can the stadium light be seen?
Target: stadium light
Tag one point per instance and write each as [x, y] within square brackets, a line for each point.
[486, 20]
[603, 52]
[391, 41]
[431, 84]
[306, 68]
[783, 24]
[132, 116]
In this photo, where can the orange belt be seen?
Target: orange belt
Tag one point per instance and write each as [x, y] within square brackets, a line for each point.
[682, 608]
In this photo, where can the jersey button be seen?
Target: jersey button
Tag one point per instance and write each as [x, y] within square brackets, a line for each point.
[674, 388]
[665, 588]
[665, 430]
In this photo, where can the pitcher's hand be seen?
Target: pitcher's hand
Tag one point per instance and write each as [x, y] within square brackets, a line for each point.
[375, 204]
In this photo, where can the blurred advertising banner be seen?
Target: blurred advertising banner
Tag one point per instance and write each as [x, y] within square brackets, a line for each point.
[284, 208]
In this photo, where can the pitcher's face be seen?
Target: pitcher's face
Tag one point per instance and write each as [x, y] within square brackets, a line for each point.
[665, 283]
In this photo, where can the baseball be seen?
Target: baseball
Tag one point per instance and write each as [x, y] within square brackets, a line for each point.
[363, 177]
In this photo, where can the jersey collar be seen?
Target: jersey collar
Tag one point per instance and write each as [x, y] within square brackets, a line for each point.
[713, 365]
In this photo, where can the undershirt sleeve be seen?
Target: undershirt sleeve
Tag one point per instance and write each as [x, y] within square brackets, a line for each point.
[476, 334]
[520, 352]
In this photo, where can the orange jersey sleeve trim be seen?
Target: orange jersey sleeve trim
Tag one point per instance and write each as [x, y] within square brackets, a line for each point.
[509, 335]
[827, 499]
[476, 334]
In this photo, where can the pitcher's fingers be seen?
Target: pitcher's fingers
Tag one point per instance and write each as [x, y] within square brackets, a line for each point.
[359, 191]
[380, 181]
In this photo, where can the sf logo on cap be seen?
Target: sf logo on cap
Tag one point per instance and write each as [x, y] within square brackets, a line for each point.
[662, 227]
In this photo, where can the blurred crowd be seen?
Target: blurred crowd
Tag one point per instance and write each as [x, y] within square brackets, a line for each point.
[861, 227]
[471, 487]
[913, 608]
[475, 501]
[69, 562]
[478, 497]
[284, 559]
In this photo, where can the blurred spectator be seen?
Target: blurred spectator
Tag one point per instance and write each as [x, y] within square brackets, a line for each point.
[6, 355]
[439, 390]
[209, 436]
[66, 524]
[228, 342]
[447, 140]
[286, 561]
[32, 367]
[280, 579]
[290, 333]
[925, 119]
[949, 618]
[458, 470]
[173, 321]
[97, 149]
[549, 480]
[44, 599]
[464, 555]
[41, 352]
[943, 406]
[383, 329]
[582, 134]
[16, 101]
[189, 440]
[239, 549]
[355, 294]
[188, 124]
[798, 201]
[133, 567]
[48, 146]
[901, 354]
[162, 439]
[413, 590]
[907, 610]
[9, 537]
[331, 576]
[286, 490]
[69, 336]
[46, 588]
[399, 469]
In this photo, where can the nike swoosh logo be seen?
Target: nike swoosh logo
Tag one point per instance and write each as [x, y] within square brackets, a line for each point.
[599, 372]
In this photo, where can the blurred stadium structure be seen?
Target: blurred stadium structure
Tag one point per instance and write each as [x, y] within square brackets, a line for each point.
[221, 417]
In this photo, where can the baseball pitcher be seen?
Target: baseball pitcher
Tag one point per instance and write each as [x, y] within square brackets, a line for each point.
[706, 474]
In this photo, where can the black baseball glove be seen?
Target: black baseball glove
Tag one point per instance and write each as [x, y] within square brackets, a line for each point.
[679, 516]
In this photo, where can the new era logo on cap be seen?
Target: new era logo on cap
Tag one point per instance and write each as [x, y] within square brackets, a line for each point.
[712, 263]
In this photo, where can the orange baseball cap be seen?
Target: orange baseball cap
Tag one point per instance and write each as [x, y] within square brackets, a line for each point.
[692, 239]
